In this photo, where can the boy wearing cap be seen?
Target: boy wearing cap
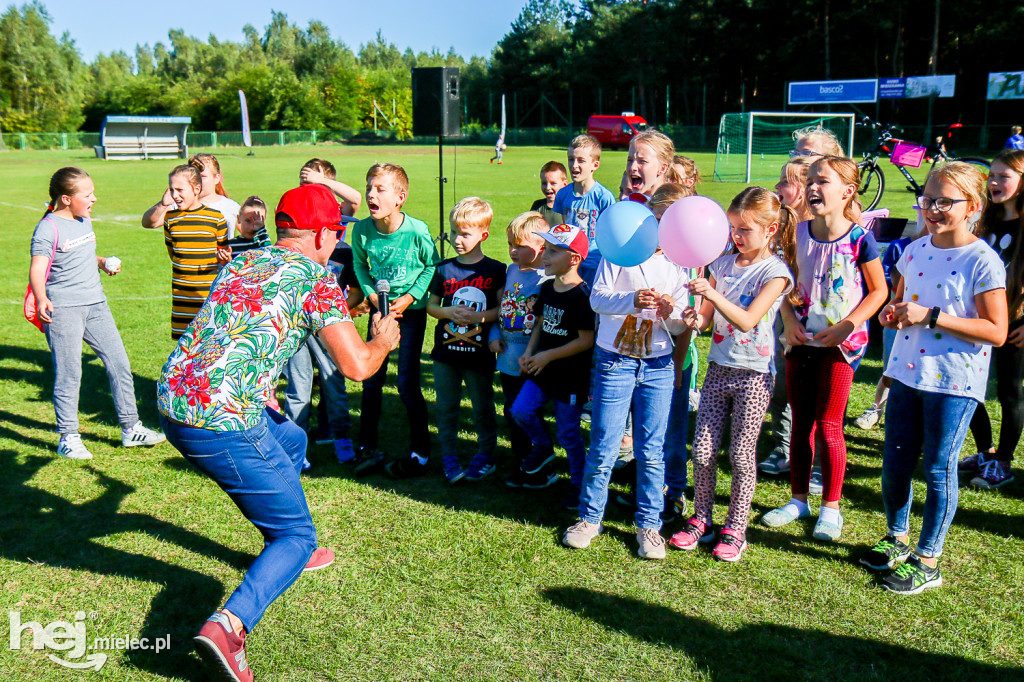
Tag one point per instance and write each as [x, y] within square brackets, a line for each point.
[396, 248]
[557, 361]
[464, 299]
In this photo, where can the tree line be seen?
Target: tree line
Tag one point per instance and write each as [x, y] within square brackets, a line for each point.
[673, 61]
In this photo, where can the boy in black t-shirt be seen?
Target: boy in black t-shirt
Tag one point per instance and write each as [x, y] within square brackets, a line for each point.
[557, 362]
[464, 296]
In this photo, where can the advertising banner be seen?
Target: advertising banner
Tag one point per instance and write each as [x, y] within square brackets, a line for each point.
[1006, 85]
[863, 91]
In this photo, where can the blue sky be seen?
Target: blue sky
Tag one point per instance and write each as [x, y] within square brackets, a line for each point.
[471, 27]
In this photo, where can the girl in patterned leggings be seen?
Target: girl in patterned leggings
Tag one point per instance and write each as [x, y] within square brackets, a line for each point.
[742, 295]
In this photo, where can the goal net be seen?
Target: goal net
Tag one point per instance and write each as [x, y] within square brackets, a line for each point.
[753, 146]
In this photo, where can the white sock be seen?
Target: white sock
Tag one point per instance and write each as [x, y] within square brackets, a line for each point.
[830, 515]
[795, 507]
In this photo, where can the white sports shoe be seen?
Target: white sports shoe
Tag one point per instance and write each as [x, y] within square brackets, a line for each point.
[72, 447]
[139, 435]
[868, 419]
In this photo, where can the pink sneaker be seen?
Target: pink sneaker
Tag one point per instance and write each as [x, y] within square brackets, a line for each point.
[688, 538]
[731, 544]
[222, 650]
[322, 558]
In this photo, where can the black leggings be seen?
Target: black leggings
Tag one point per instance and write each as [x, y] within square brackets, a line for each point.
[1008, 368]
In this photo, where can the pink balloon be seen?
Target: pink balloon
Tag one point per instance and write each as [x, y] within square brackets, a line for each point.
[693, 232]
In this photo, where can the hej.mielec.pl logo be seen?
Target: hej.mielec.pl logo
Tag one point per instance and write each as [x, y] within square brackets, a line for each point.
[71, 637]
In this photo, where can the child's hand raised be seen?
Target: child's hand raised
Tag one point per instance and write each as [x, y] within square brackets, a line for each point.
[691, 318]
[699, 286]
[310, 176]
[666, 304]
[645, 298]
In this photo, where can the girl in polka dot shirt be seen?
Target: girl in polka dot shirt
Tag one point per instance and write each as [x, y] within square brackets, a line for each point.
[949, 310]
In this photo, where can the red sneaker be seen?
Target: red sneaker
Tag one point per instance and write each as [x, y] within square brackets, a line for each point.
[222, 650]
[322, 558]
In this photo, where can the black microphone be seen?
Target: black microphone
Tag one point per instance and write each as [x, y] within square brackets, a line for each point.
[383, 289]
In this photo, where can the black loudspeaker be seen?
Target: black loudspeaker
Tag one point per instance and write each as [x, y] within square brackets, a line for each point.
[435, 101]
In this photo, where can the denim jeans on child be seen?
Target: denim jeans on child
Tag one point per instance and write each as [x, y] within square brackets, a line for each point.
[412, 326]
[259, 470]
[907, 436]
[528, 412]
[298, 393]
[448, 381]
[676, 436]
[645, 384]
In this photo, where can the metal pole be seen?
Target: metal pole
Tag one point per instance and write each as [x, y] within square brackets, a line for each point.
[440, 194]
[750, 141]
[984, 127]
[666, 104]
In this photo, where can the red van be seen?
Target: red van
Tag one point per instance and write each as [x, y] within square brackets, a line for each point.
[615, 131]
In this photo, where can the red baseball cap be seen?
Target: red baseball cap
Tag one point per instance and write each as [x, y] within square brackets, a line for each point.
[309, 207]
[568, 237]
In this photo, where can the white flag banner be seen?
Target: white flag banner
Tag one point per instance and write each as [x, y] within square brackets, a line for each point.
[1006, 85]
[246, 133]
[503, 117]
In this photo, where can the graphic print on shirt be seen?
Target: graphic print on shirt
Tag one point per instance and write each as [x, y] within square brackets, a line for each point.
[760, 335]
[70, 244]
[516, 312]
[459, 338]
[553, 321]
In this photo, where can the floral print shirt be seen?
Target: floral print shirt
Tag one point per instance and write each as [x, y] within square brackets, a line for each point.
[260, 309]
[830, 283]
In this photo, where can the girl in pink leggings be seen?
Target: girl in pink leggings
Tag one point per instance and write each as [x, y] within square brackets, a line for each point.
[742, 294]
[839, 285]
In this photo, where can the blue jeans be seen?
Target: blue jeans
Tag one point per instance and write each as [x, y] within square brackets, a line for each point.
[259, 470]
[527, 411]
[645, 385]
[907, 436]
[298, 392]
[448, 380]
[678, 432]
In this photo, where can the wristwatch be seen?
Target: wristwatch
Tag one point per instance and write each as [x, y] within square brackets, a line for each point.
[933, 318]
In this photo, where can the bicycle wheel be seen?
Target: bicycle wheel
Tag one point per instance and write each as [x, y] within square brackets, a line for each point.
[872, 184]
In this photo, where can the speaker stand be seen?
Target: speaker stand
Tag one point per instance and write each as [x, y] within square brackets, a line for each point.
[442, 235]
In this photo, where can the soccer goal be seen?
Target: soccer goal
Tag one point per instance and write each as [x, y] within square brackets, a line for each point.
[753, 146]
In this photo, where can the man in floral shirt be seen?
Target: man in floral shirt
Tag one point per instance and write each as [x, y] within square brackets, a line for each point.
[213, 391]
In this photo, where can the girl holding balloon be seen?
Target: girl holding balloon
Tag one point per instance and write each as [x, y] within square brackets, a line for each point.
[741, 296]
[839, 285]
[635, 295]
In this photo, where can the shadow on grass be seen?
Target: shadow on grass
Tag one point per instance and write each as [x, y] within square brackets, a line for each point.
[40, 527]
[96, 402]
[766, 651]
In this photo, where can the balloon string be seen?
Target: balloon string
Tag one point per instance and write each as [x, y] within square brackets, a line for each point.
[697, 298]
[664, 323]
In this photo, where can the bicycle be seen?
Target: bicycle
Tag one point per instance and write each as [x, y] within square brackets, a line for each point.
[902, 154]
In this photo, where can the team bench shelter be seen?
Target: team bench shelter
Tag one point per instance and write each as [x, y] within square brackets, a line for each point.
[143, 137]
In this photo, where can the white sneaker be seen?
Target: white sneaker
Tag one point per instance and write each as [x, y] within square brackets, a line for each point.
[652, 545]
[139, 435]
[72, 447]
[579, 534]
[868, 419]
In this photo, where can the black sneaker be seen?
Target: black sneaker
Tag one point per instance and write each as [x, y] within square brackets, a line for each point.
[540, 479]
[367, 461]
[517, 479]
[571, 500]
[886, 554]
[405, 467]
[627, 499]
[537, 460]
[912, 577]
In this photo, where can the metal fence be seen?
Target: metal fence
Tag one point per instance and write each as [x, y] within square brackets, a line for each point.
[686, 138]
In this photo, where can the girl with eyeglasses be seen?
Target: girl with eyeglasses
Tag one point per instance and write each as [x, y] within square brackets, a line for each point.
[949, 311]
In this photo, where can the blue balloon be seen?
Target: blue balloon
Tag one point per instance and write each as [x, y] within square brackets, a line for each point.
[627, 233]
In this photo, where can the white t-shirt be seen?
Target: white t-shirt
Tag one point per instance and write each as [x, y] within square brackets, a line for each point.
[612, 299]
[934, 360]
[753, 349]
[229, 208]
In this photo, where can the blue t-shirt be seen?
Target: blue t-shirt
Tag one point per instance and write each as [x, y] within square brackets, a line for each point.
[892, 256]
[583, 211]
[1015, 142]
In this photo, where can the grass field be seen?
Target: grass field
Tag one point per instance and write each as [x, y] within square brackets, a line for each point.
[433, 581]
